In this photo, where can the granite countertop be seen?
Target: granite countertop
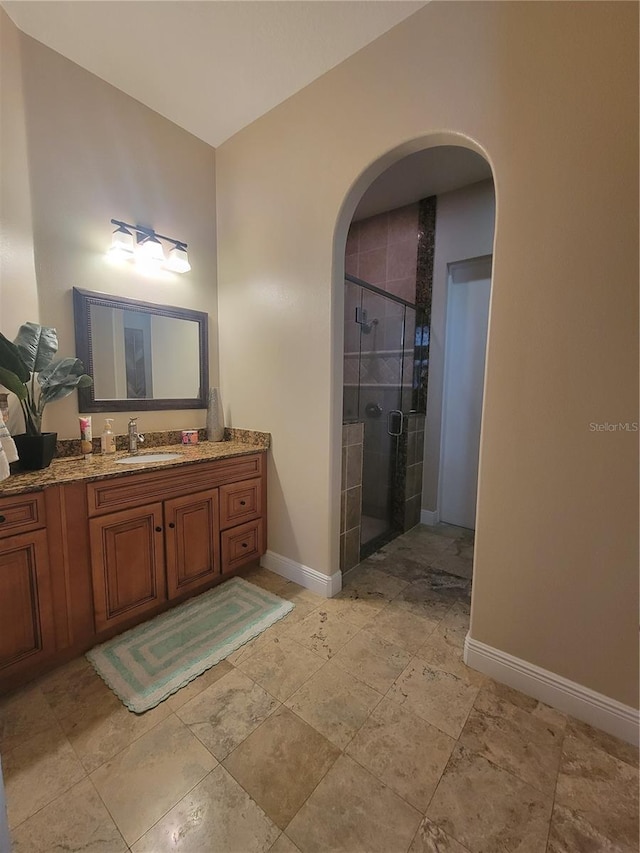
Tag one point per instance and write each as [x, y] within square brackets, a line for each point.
[74, 468]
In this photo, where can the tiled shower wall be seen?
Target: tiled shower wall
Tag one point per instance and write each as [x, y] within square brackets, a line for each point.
[407, 494]
[351, 495]
[383, 250]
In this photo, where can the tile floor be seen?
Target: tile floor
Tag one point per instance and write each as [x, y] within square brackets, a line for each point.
[352, 725]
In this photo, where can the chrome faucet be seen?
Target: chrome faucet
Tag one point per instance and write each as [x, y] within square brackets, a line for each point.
[134, 435]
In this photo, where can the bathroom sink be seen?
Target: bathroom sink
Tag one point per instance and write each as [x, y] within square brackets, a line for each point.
[143, 458]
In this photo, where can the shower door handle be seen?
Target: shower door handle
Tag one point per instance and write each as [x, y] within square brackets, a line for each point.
[389, 416]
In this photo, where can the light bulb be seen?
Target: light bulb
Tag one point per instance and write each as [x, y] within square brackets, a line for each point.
[151, 250]
[122, 244]
[178, 260]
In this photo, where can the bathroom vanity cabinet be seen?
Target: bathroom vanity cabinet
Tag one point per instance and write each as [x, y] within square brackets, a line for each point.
[82, 561]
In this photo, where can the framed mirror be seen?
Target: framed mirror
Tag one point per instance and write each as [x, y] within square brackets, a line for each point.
[141, 356]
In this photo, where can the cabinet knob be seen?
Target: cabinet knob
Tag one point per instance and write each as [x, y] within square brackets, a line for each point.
[2, 518]
[243, 503]
[171, 525]
[158, 530]
[244, 545]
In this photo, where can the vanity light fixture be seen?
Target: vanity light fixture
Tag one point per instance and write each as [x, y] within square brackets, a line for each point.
[147, 249]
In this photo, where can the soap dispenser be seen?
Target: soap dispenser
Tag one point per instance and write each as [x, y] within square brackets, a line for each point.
[107, 440]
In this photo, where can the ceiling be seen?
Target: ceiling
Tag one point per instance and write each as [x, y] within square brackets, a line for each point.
[210, 66]
[430, 172]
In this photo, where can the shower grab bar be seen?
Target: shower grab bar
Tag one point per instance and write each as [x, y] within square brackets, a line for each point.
[389, 414]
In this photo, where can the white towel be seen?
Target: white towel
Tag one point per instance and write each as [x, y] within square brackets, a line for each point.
[4, 465]
[7, 444]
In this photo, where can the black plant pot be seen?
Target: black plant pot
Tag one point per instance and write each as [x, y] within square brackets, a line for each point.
[36, 451]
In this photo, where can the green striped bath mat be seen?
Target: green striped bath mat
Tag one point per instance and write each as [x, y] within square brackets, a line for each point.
[150, 662]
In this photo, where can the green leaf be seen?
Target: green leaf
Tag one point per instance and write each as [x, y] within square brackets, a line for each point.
[37, 345]
[60, 371]
[10, 359]
[9, 379]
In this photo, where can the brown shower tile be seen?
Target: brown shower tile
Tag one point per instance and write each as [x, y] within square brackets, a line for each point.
[216, 815]
[224, 714]
[334, 702]
[372, 266]
[403, 751]
[280, 764]
[352, 810]
[373, 232]
[354, 466]
[488, 809]
[76, 820]
[401, 259]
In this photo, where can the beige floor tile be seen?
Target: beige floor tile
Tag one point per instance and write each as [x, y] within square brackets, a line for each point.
[278, 629]
[514, 739]
[149, 777]
[284, 845]
[38, 770]
[23, 715]
[299, 595]
[441, 698]
[571, 833]
[455, 624]
[402, 628]
[396, 565]
[368, 583]
[373, 660]
[195, 687]
[403, 751]
[266, 579]
[280, 763]
[456, 560]
[224, 714]
[77, 820]
[595, 738]
[350, 811]
[600, 787]
[420, 599]
[431, 839]
[488, 809]
[442, 650]
[217, 815]
[335, 703]
[281, 667]
[323, 633]
[96, 722]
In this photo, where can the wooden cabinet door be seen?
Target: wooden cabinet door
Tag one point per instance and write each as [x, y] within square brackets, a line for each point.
[192, 541]
[127, 564]
[26, 612]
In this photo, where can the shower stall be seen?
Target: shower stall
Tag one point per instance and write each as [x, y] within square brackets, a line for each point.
[384, 363]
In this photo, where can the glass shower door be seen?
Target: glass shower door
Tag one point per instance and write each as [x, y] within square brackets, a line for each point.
[382, 338]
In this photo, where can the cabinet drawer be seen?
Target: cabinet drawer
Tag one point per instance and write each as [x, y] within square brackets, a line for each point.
[138, 489]
[242, 544]
[240, 502]
[22, 513]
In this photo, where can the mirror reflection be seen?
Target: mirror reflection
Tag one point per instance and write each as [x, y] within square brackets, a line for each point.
[140, 355]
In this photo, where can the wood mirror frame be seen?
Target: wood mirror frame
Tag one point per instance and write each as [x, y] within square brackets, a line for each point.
[87, 402]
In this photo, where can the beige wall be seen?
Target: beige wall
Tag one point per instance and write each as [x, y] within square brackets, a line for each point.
[95, 153]
[18, 293]
[465, 221]
[549, 90]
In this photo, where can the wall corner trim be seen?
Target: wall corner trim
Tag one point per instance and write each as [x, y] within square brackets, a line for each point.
[326, 585]
[429, 516]
[587, 705]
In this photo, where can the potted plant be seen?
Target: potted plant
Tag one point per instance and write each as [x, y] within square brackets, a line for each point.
[28, 370]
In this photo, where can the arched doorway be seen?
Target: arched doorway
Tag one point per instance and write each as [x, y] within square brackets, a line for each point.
[413, 341]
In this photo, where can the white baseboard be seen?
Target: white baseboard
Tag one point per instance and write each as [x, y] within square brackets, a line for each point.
[429, 516]
[594, 708]
[327, 585]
